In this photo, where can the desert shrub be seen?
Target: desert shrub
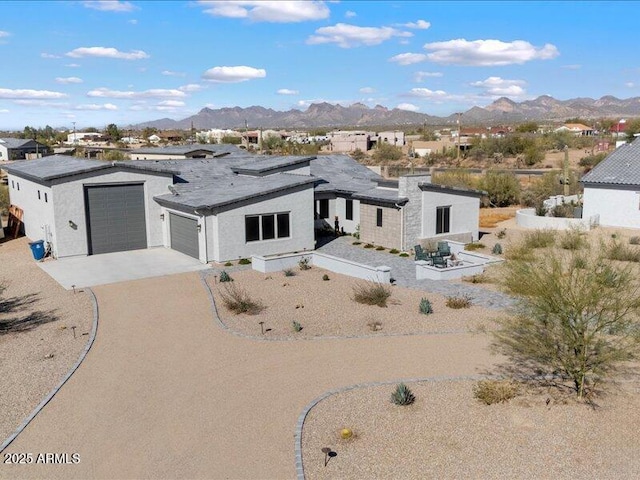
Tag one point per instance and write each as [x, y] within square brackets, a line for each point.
[479, 278]
[296, 326]
[573, 240]
[225, 277]
[289, 272]
[380, 248]
[404, 254]
[616, 250]
[228, 264]
[455, 178]
[539, 239]
[563, 210]
[634, 240]
[579, 263]
[395, 251]
[533, 155]
[473, 246]
[459, 302]
[374, 326]
[238, 300]
[244, 261]
[402, 395]
[4, 198]
[501, 234]
[502, 188]
[304, 263]
[497, 249]
[368, 245]
[495, 391]
[592, 160]
[425, 307]
[541, 210]
[356, 243]
[325, 277]
[371, 293]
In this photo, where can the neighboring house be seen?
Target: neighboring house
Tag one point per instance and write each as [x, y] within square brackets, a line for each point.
[578, 129]
[21, 149]
[612, 188]
[349, 141]
[231, 206]
[153, 138]
[85, 137]
[395, 137]
[195, 150]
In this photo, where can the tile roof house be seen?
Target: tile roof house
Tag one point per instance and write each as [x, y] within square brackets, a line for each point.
[612, 188]
[230, 206]
[21, 149]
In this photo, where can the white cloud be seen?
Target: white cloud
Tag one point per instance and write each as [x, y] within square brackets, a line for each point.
[153, 93]
[49, 55]
[408, 58]
[487, 52]
[419, 77]
[281, 11]
[426, 93]
[133, 21]
[630, 84]
[110, 6]
[28, 93]
[171, 73]
[500, 87]
[190, 88]
[346, 36]
[240, 73]
[72, 65]
[67, 80]
[171, 103]
[95, 106]
[350, 14]
[419, 25]
[287, 91]
[4, 34]
[367, 90]
[106, 52]
[4, 110]
[408, 106]
[40, 103]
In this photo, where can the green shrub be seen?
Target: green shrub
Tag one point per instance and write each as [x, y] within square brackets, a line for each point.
[501, 234]
[244, 261]
[503, 188]
[618, 251]
[368, 245]
[228, 264]
[288, 272]
[592, 160]
[371, 293]
[239, 301]
[356, 243]
[404, 254]
[573, 240]
[495, 391]
[4, 199]
[225, 277]
[497, 249]
[539, 239]
[425, 307]
[563, 210]
[394, 251]
[380, 248]
[459, 302]
[634, 240]
[579, 263]
[479, 278]
[402, 395]
[325, 277]
[474, 246]
[296, 326]
[304, 263]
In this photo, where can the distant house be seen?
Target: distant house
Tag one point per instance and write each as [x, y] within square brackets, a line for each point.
[21, 149]
[195, 150]
[172, 135]
[349, 141]
[578, 129]
[612, 188]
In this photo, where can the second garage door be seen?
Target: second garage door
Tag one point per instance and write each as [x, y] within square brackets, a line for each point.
[184, 235]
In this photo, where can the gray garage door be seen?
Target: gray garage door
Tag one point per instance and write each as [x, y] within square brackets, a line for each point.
[115, 218]
[184, 235]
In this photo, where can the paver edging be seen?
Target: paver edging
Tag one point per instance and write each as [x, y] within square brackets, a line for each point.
[302, 417]
[203, 278]
[56, 389]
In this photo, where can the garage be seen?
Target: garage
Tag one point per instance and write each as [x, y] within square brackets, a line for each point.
[184, 235]
[115, 218]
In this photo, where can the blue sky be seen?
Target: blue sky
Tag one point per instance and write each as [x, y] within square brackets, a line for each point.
[124, 62]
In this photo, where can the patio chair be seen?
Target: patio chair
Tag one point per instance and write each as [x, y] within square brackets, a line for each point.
[420, 253]
[439, 261]
[444, 249]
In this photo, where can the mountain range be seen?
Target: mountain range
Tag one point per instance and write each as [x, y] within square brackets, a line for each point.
[503, 110]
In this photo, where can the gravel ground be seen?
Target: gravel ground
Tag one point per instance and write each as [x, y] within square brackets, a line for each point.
[524, 439]
[326, 308]
[27, 370]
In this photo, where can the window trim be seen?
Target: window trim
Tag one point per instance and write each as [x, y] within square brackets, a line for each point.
[445, 221]
[276, 230]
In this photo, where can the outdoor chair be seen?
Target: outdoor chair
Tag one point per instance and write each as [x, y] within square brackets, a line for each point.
[420, 253]
[439, 261]
[444, 249]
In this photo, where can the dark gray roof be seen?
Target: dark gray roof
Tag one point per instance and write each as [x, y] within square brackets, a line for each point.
[214, 149]
[225, 190]
[434, 187]
[621, 167]
[263, 166]
[383, 195]
[15, 142]
[60, 166]
[341, 173]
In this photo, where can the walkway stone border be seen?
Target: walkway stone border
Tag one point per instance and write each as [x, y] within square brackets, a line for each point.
[300, 423]
[204, 274]
[56, 389]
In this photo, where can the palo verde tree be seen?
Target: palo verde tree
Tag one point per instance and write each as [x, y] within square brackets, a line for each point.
[576, 321]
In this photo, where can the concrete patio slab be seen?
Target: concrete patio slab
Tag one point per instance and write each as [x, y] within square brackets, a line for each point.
[119, 267]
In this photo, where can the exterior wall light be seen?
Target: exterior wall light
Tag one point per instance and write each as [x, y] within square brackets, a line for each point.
[162, 217]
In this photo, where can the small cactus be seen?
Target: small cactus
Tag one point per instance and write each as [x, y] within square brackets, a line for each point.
[497, 249]
[325, 277]
[402, 395]
[225, 277]
[425, 307]
[296, 326]
[289, 273]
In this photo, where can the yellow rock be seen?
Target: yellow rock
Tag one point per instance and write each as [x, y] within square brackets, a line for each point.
[346, 433]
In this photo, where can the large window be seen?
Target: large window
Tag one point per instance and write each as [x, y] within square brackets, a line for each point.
[349, 213]
[267, 227]
[324, 208]
[443, 215]
[379, 217]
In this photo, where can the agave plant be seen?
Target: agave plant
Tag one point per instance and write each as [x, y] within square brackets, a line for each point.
[402, 395]
[425, 307]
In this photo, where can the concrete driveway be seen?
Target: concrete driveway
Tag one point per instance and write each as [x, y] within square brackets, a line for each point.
[92, 270]
[166, 393]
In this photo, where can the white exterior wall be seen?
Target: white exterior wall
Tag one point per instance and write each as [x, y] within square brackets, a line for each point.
[340, 209]
[230, 244]
[464, 215]
[4, 153]
[617, 207]
[527, 218]
[70, 206]
[37, 212]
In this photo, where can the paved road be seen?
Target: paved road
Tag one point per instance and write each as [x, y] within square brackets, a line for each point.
[165, 393]
[403, 270]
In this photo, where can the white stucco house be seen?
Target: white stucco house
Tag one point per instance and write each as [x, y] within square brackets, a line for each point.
[231, 206]
[612, 188]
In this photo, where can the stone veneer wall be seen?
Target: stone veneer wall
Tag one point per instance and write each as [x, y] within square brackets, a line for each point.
[389, 234]
[408, 187]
